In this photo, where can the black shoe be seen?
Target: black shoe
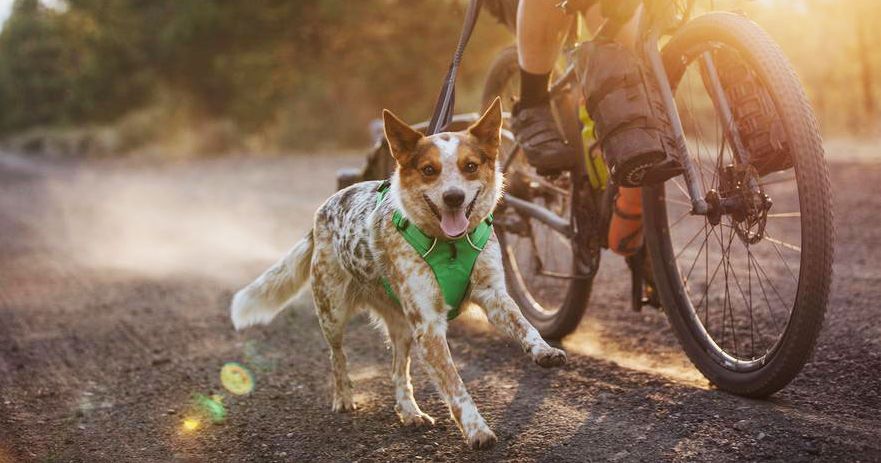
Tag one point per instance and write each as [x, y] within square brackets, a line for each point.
[536, 132]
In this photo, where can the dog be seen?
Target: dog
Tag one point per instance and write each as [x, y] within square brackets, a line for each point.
[445, 184]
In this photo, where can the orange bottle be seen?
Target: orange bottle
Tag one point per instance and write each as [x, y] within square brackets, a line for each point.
[625, 229]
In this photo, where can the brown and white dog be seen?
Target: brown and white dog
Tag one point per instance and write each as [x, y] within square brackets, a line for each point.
[445, 184]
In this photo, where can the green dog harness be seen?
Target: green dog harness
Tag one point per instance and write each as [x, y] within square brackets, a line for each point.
[451, 261]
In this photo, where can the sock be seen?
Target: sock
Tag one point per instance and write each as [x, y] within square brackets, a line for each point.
[533, 89]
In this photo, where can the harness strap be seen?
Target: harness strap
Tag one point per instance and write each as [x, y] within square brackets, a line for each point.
[451, 261]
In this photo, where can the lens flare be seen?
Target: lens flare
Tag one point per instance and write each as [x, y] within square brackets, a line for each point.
[211, 407]
[236, 378]
[191, 424]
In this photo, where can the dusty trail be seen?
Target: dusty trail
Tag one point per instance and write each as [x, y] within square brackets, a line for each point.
[114, 282]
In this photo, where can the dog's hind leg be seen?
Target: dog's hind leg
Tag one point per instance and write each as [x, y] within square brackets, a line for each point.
[334, 307]
[401, 338]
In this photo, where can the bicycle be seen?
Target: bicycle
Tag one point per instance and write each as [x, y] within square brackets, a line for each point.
[754, 195]
[754, 176]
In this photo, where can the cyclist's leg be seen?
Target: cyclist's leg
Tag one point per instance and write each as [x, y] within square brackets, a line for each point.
[627, 34]
[541, 26]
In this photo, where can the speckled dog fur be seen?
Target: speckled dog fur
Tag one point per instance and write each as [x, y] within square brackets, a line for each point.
[354, 243]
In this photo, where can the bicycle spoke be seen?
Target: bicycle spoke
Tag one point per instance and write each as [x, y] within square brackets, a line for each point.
[784, 215]
[690, 241]
[681, 203]
[770, 283]
[782, 243]
[719, 157]
[681, 189]
[679, 219]
[712, 279]
[749, 288]
[777, 180]
[699, 157]
[725, 300]
[750, 256]
[780, 254]
[728, 303]
[703, 245]
[747, 300]
[707, 280]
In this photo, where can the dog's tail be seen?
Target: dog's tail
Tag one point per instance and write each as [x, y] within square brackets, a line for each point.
[265, 297]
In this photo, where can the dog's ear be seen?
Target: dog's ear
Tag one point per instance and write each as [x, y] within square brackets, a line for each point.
[402, 139]
[486, 130]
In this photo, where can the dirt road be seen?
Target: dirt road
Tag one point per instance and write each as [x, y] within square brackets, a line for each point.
[114, 284]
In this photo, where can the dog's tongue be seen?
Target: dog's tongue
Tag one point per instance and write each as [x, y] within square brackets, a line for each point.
[454, 223]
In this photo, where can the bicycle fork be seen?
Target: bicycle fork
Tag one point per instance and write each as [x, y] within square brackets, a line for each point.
[652, 55]
[699, 203]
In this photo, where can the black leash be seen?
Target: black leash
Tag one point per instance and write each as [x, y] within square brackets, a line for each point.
[446, 101]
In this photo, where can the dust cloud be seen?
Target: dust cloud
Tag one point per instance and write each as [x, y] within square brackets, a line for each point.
[224, 220]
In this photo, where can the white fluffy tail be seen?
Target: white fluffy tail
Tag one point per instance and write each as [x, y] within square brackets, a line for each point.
[265, 297]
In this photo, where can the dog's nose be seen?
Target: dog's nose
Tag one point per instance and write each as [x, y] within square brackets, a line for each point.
[454, 197]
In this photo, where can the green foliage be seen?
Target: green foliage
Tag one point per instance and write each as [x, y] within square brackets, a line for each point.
[296, 74]
[293, 73]
[63, 68]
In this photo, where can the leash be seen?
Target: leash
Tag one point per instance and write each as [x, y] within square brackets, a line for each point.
[451, 264]
[446, 101]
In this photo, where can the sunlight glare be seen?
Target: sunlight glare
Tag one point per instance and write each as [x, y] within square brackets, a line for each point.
[191, 424]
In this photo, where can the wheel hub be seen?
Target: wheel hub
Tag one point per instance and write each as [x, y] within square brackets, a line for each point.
[741, 198]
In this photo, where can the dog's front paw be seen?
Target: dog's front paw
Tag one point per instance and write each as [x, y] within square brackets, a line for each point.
[481, 438]
[549, 357]
[342, 404]
[415, 419]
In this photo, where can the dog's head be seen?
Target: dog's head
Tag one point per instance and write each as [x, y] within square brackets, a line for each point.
[448, 182]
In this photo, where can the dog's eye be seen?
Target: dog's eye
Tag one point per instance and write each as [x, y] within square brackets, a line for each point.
[429, 171]
[470, 167]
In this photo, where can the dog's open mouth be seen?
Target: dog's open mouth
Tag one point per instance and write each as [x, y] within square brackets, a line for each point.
[453, 222]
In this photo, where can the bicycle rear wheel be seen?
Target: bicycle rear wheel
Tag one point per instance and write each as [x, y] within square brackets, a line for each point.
[549, 274]
[746, 294]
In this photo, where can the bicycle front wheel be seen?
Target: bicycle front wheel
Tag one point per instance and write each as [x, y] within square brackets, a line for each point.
[746, 291]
